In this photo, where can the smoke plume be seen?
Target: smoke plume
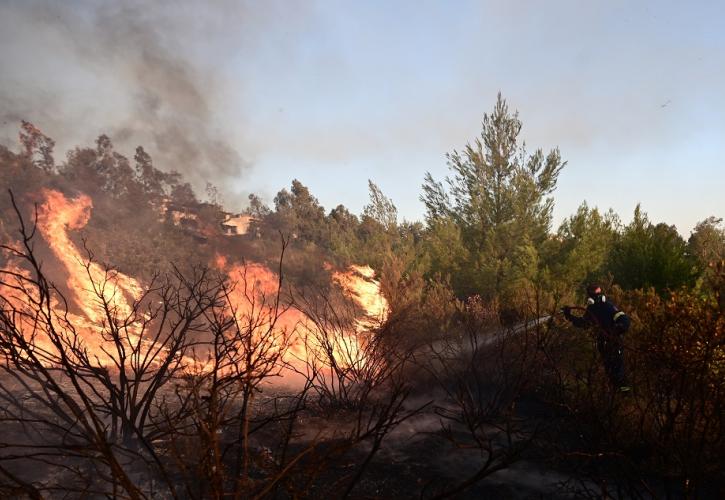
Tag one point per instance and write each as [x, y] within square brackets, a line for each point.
[133, 71]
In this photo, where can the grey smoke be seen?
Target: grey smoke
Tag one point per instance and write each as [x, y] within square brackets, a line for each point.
[140, 82]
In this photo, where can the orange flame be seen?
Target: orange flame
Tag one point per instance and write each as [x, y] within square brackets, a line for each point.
[360, 283]
[91, 286]
[87, 281]
[88, 284]
[14, 280]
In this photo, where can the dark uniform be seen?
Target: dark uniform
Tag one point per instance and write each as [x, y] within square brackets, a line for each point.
[611, 324]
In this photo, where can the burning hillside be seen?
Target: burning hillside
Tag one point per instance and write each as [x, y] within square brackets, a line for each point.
[112, 354]
[88, 283]
[102, 295]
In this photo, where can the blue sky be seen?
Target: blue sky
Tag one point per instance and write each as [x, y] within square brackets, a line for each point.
[335, 93]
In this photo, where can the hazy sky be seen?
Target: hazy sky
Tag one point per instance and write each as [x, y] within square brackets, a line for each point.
[253, 94]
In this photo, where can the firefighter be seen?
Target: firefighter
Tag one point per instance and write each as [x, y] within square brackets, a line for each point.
[611, 325]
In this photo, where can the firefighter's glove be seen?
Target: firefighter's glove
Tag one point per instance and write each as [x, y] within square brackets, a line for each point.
[621, 323]
[566, 311]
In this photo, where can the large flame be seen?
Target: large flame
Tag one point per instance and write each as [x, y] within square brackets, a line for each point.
[88, 281]
[307, 339]
[254, 296]
[94, 290]
[360, 283]
[25, 300]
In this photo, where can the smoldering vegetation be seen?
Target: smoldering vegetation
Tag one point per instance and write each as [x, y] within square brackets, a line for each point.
[207, 384]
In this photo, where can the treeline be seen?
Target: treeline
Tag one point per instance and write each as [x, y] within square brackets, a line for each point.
[130, 227]
[487, 229]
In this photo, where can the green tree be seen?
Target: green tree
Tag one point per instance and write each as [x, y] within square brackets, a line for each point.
[343, 227]
[378, 230]
[37, 147]
[257, 207]
[151, 179]
[707, 241]
[446, 254]
[707, 246]
[300, 215]
[381, 209]
[584, 243]
[116, 174]
[647, 255]
[498, 195]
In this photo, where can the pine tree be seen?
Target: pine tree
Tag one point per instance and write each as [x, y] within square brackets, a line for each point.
[498, 196]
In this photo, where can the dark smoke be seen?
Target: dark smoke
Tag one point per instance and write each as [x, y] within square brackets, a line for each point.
[146, 85]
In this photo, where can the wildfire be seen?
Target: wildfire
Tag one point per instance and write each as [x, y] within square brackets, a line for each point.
[258, 287]
[88, 285]
[359, 282]
[89, 282]
[95, 290]
[23, 300]
[253, 296]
